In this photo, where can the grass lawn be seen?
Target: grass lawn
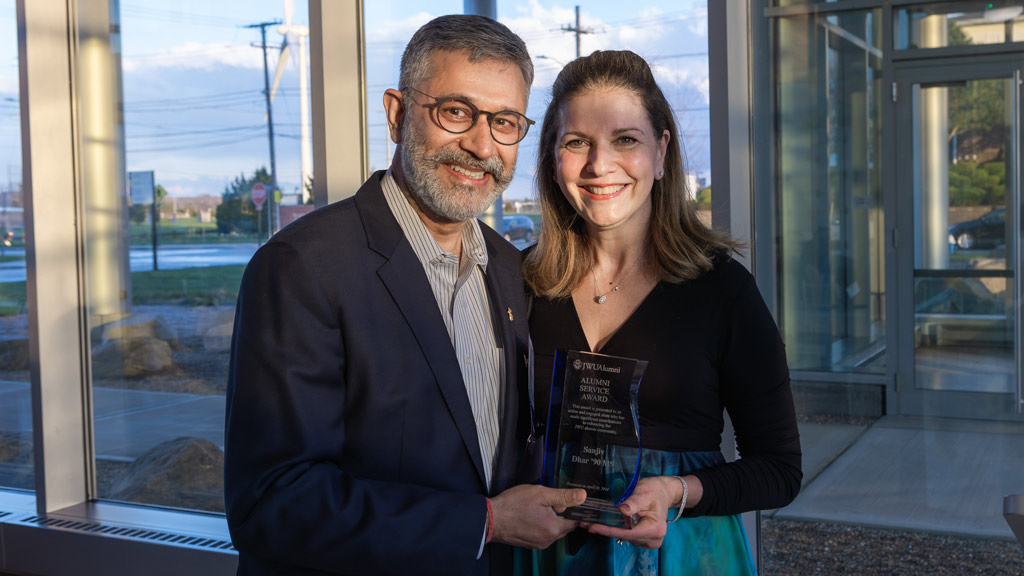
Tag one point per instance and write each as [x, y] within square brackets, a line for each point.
[213, 285]
[184, 231]
[207, 286]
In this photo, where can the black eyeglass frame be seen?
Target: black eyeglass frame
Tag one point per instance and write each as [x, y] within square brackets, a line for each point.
[436, 107]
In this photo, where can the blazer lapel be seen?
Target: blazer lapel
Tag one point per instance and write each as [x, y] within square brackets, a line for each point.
[507, 313]
[402, 274]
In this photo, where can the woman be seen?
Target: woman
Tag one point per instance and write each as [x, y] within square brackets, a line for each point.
[624, 267]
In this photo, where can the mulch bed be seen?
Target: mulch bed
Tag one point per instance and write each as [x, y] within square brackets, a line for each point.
[799, 548]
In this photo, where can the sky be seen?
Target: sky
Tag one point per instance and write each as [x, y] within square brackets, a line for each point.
[193, 80]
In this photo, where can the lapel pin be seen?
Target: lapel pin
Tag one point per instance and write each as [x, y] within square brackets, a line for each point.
[510, 318]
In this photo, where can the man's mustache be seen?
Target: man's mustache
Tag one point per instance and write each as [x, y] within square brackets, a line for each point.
[451, 155]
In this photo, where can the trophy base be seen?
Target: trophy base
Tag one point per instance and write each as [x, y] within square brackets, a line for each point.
[597, 511]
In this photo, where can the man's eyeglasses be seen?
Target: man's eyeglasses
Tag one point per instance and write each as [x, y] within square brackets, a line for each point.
[458, 116]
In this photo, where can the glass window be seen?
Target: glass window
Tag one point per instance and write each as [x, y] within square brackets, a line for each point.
[671, 36]
[830, 221]
[389, 25]
[963, 250]
[16, 460]
[681, 71]
[913, 398]
[799, 2]
[964, 23]
[181, 185]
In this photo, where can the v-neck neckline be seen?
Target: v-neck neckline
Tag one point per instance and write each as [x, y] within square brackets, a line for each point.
[582, 334]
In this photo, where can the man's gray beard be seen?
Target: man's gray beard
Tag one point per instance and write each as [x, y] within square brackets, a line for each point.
[456, 202]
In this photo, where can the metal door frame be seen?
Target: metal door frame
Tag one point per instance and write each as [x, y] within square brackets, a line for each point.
[902, 397]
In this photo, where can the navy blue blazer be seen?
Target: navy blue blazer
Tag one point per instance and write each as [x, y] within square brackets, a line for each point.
[350, 444]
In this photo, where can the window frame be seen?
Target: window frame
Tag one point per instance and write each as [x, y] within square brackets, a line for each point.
[62, 514]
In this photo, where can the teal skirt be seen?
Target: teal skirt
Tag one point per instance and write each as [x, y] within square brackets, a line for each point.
[712, 545]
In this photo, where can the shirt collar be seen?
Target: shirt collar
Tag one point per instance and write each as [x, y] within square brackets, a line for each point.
[423, 243]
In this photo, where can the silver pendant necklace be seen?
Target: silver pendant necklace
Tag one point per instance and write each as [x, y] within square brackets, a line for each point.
[600, 298]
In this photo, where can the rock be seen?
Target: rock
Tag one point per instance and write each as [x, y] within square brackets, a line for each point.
[218, 338]
[130, 358]
[997, 286]
[16, 447]
[14, 354]
[140, 326]
[184, 473]
[16, 465]
[215, 318]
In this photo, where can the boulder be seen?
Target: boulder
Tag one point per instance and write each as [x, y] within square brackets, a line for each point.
[140, 326]
[130, 358]
[15, 447]
[213, 318]
[995, 285]
[16, 465]
[218, 338]
[183, 473]
[14, 354]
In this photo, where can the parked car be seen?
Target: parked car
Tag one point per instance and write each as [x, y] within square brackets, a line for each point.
[988, 231]
[518, 228]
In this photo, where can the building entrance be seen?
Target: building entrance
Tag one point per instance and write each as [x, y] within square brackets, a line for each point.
[957, 238]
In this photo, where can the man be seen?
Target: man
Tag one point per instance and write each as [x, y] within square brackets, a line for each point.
[376, 393]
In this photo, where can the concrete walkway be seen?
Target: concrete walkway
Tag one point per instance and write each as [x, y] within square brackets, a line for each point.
[128, 422]
[922, 474]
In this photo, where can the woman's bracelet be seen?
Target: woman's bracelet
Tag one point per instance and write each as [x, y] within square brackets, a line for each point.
[682, 505]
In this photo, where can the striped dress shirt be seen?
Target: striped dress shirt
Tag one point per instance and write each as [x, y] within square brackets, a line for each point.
[461, 296]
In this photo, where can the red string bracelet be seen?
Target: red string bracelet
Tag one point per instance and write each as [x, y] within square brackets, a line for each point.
[490, 521]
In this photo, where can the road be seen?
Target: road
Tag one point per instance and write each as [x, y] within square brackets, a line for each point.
[169, 257]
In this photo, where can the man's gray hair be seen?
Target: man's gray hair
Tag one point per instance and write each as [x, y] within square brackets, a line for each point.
[479, 36]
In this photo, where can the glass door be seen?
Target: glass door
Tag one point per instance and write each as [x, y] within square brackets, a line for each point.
[957, 236]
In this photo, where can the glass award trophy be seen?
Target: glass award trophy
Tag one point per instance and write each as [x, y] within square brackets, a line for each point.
[593, 433]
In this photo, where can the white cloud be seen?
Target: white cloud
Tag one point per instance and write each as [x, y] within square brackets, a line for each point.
[397, 32]
[181, 190]
[658, 34]
[9, 83]
[197, 56]
[540, 28]
[694, 77]
[697, 19]
[650, 32]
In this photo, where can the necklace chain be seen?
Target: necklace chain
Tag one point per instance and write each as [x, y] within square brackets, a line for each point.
[600, 298]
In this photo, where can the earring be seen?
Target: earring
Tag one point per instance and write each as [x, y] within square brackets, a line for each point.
[661, 173]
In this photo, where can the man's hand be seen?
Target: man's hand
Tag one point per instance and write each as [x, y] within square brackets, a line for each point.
[525, 515]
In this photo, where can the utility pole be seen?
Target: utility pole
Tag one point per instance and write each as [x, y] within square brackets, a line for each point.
[577, 30]
[270, 121]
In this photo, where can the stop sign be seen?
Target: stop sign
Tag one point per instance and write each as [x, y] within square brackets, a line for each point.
[259, 194]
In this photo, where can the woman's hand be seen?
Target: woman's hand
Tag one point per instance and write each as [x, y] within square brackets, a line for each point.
[650, 501]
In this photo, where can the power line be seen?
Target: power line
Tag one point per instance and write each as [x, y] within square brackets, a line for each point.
[192, 145]
[650, 20]
[189, 54]
[248, 98]
[638, 22]
[256, 127]
[200, 97]
[270, 115]
[577, 30]
[247, 104]
[677, 56]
